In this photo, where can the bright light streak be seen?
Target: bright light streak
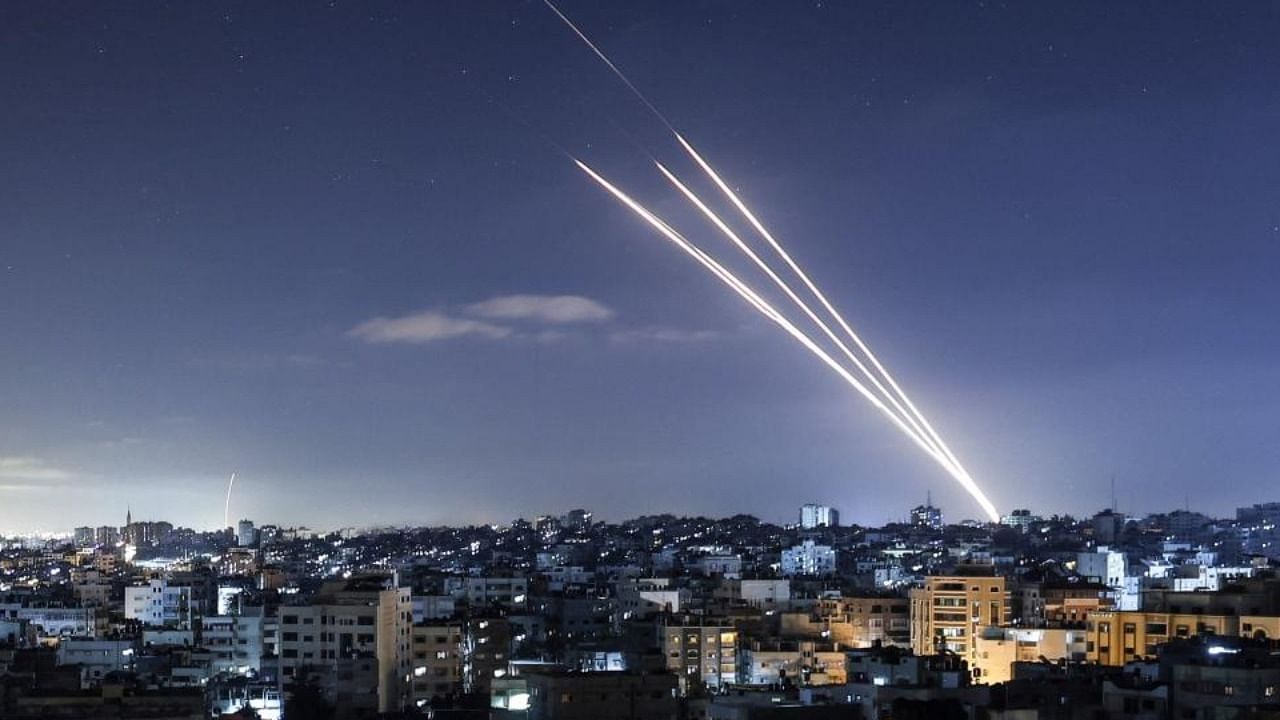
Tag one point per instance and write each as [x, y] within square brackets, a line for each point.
[605, 58]
[967, 482]
[947, 458]
[768, 311]
[715, 220]
[226, 508]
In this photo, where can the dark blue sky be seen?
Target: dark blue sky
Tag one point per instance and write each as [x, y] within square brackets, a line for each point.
[262, 238]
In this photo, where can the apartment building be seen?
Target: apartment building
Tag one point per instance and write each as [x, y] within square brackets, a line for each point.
[701, 654]
[355, 640]
[948, 612]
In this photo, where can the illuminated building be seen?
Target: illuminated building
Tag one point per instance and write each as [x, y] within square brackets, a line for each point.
[816, 516]
[949, 611]
[701, 654]
[854, 622]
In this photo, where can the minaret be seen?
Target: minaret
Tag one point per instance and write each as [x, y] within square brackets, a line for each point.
[128, 516]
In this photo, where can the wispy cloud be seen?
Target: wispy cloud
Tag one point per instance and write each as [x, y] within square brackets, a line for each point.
[30, 469]
[507, 316]
[528, 318]
[664, 335]
[424, 327]
[549, 309]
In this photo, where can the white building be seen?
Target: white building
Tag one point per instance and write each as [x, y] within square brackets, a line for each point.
[729, 566]
[809, 559]
[53, 621]
[159, 604]
[96, 657]
[816, 516]
[645, 596]
[235, 641]
[1021, 519]
[1106, 566]
[764, 594]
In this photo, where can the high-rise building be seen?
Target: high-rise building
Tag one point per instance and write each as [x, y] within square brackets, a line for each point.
[701, 654]
[85, 537]
[437, 662]
[106, 535]
[950, 611]
[815, 516]
[246, 535]
[354, 640]
[1108, 527]
[927, 516]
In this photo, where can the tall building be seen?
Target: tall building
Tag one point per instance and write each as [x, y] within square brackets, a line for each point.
[106, 535]
[159, 604]
[85, 537]
[246, 534]
[701, 654]
[235, 641]
[949, 612]
[1108, 527]
[815, 516]
[354, 640]
[926, 515]
[437, 662]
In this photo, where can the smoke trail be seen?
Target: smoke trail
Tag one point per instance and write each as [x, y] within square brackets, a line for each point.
[605, 58]
[226, 508]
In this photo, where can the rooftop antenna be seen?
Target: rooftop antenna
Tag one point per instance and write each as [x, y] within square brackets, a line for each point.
[1113, 494]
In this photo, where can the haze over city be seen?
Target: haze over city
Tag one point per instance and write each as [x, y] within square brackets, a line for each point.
[337, 249]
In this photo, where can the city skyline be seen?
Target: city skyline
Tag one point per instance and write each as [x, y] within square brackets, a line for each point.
[334, 252]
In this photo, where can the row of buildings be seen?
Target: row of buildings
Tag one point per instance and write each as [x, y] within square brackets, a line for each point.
[663, 616]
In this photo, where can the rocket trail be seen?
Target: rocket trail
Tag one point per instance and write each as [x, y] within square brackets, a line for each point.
[947, 459]
[226, 508]
[605, 58]
[786, 257]
[746, 249]
[768, 311]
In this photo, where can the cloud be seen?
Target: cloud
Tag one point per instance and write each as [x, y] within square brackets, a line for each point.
[529, 318]
[665, 335]
[424, 327]
[30, 469]
[548, 309]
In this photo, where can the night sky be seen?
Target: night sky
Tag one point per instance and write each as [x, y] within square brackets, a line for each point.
[335, 247]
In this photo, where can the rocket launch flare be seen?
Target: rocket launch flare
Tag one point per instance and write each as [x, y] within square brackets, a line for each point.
[912, 422]
[770, 312]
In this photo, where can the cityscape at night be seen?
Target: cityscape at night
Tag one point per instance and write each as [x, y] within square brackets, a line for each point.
[669, 360]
